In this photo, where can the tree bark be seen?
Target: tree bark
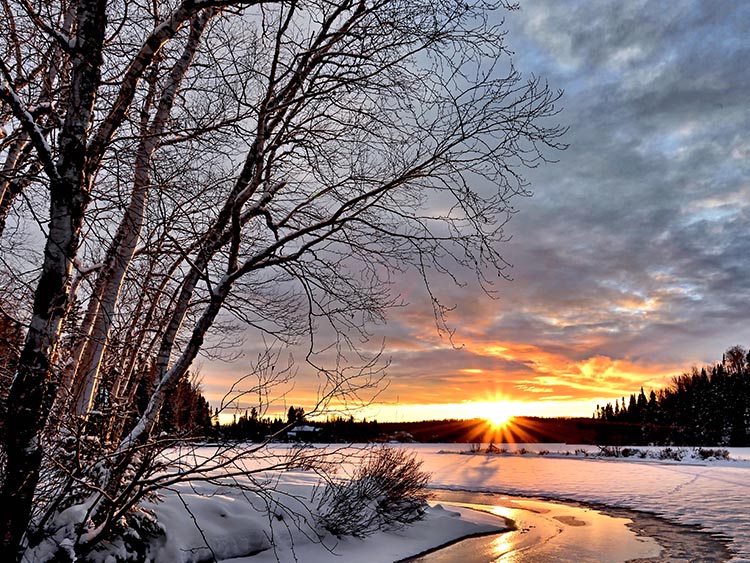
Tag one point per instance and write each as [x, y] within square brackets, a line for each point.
[10, 183]
[122, 248]
[34, 386]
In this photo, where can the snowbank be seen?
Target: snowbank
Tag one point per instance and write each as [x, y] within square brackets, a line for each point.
[232, 527]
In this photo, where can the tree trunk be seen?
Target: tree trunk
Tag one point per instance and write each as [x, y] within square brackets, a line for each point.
[122, 249]
[10, 183]
[34, 386]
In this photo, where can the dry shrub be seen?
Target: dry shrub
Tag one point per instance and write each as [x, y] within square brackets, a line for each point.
[388, 490]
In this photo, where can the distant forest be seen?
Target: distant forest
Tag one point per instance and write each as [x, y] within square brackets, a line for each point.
[704, 407]
[707, 406]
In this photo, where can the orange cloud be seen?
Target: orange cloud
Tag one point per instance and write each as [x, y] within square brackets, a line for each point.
[428, 374]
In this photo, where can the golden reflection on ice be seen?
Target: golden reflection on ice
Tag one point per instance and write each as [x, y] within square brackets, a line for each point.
[547, 532]
[502, 548]
[503, 511]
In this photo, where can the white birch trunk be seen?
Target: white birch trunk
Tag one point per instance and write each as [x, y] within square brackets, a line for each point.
[124, 244]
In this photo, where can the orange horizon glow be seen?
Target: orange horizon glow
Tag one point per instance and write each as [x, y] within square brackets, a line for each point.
[498, 380]
[497, 415]
[499, 419]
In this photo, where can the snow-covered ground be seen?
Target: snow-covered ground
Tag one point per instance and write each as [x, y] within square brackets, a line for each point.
[234, 523]
[714, 495]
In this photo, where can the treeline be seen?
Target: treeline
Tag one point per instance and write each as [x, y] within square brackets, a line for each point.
[336, 429]
[518, 430]
[250, 426]
[185, 413]
[707, 406]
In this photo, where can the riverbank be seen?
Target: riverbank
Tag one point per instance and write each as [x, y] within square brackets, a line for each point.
[709, 495]
[203, 520]
[547, 531]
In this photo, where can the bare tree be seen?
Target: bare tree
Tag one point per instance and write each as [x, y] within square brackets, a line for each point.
[736, 359]
[276, 162]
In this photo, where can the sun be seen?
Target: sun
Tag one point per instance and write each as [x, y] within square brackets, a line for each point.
[499, 420]
[497, 414]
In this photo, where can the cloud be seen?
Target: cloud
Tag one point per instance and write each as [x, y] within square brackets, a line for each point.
[630, 263]
[648, 203]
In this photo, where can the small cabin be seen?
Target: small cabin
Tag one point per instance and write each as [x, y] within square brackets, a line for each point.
[303, 433]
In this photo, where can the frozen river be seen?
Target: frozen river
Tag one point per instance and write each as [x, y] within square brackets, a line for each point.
[552, 532]
[712, 495]
[567, 507]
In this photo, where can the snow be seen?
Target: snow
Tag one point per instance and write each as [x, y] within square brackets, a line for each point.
[242, 526]
[233, 523]
[713, 494]
[225, 514]
[440, 526]
[227, 524]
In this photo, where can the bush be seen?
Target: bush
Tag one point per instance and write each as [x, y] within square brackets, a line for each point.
[387, 491]
[709, 453]
[675, 454]
[610, 451]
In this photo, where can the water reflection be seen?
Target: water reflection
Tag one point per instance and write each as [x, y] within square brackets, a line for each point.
[545, 533]
[503, 547]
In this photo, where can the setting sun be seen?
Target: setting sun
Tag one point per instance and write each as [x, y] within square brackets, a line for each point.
[497, 414]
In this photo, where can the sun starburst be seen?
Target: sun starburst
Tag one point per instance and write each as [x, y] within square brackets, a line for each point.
[497, 414]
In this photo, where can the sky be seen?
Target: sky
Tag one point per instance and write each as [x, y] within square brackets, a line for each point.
[631, 262]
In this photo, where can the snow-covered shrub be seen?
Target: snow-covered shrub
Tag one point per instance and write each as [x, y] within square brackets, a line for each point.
[676, 454]
[710, 453]
[131, 539]
[610, 451]
[387, 491]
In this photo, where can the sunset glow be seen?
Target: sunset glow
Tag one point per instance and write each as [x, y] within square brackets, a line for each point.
[496, 413]
[499, 420]
[630, 260]
[534, 382]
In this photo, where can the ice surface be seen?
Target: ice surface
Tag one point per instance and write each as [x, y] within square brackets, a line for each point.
[713, 495]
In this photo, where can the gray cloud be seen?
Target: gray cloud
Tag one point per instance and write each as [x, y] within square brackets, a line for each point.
[635, 250]
[650, 200]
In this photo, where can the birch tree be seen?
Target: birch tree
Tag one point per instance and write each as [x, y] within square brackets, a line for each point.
[281, 159]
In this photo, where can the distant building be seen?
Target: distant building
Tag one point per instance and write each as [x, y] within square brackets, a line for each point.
[400, 436]
[302, 433]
